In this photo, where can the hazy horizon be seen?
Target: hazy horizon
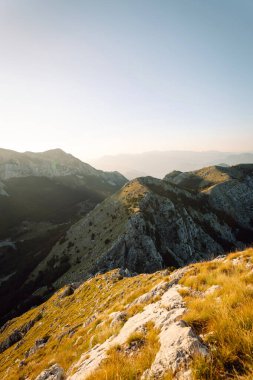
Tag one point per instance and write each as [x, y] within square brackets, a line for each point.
[151, 163]
[97, 78]
[124, 153]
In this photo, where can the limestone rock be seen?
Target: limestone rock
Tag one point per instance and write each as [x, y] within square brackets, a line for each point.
[55, 372]
[118, 317]
[212, 289]
[178, 341]
[40, 343]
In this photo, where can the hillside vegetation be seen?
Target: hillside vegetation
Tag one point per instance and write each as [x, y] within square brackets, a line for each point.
[192, 323]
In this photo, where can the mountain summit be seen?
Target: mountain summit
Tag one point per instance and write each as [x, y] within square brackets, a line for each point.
[51, 163]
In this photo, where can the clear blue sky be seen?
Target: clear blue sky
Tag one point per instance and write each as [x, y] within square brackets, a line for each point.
[102, 77]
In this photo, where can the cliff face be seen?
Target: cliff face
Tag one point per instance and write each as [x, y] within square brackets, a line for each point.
[151, 223]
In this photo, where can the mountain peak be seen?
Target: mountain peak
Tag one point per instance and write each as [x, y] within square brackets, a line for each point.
[57, 152]
[51, 163]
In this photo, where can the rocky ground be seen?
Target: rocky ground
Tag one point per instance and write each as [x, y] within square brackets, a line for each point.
[178, 342]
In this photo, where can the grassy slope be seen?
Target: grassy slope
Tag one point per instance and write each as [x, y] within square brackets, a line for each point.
[58, 201]
[80, 321]
[207, 177]
[73, 323]
[225, 317]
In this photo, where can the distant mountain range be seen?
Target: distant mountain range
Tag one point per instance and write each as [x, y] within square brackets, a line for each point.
[52, 163]
[158, 163]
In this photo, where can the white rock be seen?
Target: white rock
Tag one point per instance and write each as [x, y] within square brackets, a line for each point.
[212, 289]
[178, 341]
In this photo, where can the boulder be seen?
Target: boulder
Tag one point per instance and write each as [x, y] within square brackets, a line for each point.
[38, 344]
[55, 372]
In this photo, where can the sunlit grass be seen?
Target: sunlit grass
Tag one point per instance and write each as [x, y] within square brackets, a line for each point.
[225, 318]
[87, 311]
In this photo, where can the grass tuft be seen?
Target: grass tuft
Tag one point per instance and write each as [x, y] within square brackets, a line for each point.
[224, 318]
[126, 363]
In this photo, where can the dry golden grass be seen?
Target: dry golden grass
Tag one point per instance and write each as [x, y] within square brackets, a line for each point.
[168, 376]
[78, 322]
[212, 175]
[126, 363]
[225, 318]
[131, 194]
[87, 311]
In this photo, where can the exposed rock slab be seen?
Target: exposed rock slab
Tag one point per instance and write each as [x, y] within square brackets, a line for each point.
[178, 341]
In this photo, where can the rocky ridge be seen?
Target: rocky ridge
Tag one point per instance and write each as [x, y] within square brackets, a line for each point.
[150, 223]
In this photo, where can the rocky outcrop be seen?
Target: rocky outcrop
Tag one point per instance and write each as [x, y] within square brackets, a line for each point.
[178, 342]
[69, 290]
[55, 372]
[151, 224]
[18, 334]
[40, 343]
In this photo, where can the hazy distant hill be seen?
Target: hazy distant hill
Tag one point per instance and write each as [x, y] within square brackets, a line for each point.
[41, 196]
[158, 164]
[52, 163]
[49, 186]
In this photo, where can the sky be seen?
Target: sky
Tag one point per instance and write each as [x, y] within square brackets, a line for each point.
[104, 77]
